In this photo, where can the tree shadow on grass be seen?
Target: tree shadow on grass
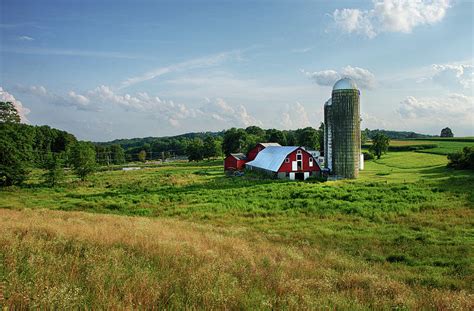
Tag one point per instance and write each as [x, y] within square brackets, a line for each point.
[220, 183]
[451, 180]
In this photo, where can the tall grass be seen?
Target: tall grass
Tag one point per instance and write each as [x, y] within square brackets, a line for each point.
[68, 260]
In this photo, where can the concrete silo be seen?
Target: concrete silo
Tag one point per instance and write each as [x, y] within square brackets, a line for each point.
[344, 128]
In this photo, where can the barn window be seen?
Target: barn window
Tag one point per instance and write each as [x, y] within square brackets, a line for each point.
[298, 157]
[298, 152]
[287, 160]
[310, 160]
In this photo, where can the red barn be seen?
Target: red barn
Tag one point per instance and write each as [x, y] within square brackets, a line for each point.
[259, 147]
[235, 162]
[285, 162]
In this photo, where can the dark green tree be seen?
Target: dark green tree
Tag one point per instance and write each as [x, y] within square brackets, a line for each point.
[195, 150]
[54, 170]
[446, 132]
[291, 138]
[211, 147]
[276, 136]
[255, 130]
[380, 143]
[364, 136]
[308, 137]
[8, 113]
[463, 159]
[117, 154]
[321, 138]
[16, 156]
[142, 156]
[234, 141]
[82, 158]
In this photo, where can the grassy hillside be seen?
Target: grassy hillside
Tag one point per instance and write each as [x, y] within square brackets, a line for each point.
[442, 146]
[401, 236]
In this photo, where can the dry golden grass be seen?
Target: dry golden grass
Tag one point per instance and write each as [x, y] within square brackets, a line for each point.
[53, 259]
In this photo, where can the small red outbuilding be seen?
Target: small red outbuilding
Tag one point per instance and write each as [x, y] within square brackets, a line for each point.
[235, 162]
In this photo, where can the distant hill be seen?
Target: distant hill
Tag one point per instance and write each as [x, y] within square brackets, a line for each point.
[157, 147]
[397, 134]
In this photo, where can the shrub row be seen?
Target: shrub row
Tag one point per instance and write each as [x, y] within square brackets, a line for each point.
[406, 147]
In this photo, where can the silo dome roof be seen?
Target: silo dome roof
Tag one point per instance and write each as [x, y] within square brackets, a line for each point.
[345, 84]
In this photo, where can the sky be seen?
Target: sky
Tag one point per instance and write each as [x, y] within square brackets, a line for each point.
[106, 69]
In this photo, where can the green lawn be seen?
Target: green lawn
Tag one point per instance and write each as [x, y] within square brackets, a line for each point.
[441, 146]
[407, 217]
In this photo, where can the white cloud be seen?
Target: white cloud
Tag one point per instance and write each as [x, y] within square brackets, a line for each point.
[324, 77]
[454, 75]
[354, 21]
[390, 16]
[73, 99]
[202, 62]
[25, 38]
[226, 115]
[363, 77]
[294, 117]
[79, 99]
[455, 109]
[104, 98]
[373, 122]
[22, 110]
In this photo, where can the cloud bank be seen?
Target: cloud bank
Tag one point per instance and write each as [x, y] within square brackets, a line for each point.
[452, 110]
[455, 76]
[216, 112]
[390, 16]
[363, 77]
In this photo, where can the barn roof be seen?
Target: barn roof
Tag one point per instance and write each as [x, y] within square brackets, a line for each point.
[272, 157]
[270, 144]
[239, 156]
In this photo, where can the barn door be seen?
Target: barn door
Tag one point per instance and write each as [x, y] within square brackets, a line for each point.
[294, 166]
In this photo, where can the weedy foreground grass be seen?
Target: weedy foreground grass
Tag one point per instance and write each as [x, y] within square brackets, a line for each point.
[73, 259]
[401, 236]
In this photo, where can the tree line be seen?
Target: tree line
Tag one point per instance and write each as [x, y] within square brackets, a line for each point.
[24, 147]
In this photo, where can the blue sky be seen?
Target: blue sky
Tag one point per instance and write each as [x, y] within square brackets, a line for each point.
[116, 69]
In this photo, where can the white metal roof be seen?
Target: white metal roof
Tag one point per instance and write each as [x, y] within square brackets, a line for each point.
[269, 144]
[272, 157]
[239, 156]
[345, 84]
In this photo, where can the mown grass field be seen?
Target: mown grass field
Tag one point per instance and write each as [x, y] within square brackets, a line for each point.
[444, 146]
[183, 235]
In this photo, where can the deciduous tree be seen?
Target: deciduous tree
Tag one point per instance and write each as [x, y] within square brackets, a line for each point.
[195, 150]
[8, 113]
[446, 132]
[380, 144]
[82, 158]
[54, 170]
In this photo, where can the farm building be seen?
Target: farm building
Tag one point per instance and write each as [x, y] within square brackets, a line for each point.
[259, 147]
[285, 162]
[342, 131]
[235, 162]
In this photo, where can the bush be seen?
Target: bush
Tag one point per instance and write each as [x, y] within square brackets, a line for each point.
[462, 160]
[368, 155]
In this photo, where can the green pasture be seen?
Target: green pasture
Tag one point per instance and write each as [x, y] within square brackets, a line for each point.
[441, 146]
[407, 214]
